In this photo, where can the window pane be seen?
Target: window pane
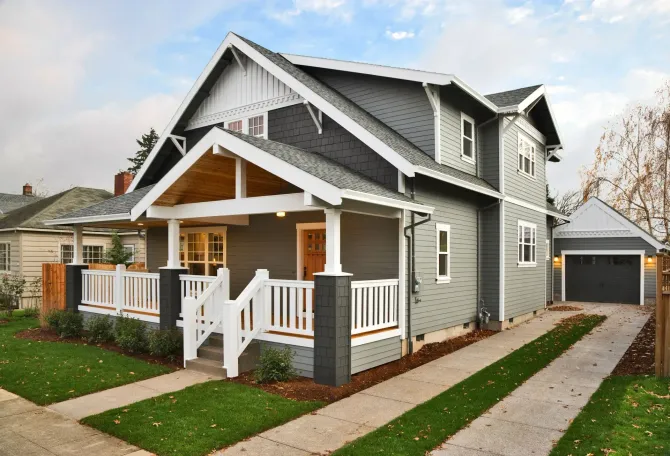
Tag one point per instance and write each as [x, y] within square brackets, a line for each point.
[520, 252]
[196, 246]
[532, 168]
[443, 264]
[467, 129]
[526, 253]
[467, 147]
[256, 127]
[444, 241]
[520, 161]
[215, 247]
[66, 253]
[235, 126]
[532, 254]
[5, 261]
[526, 165]
[526, 234]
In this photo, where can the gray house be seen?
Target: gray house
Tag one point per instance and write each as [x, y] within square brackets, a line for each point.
[602, 256]
[360, 210]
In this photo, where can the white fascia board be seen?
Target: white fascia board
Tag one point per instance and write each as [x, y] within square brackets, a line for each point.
[91, 219]
[457, 182]
[532, 98]
[293, 202]
[474, 94]
[633, 227]
[384, 201]
[331, 111]
[180, 111]
[536, 208]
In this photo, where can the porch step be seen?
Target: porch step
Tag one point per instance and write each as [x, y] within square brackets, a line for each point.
[210, 356]
[213, 351]
[207, 366]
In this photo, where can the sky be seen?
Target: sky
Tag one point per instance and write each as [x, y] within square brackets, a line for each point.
[81, 80]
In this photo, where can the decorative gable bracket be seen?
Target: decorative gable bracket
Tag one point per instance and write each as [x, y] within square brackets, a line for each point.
[316, 117]
[179, 142]
[239, 60]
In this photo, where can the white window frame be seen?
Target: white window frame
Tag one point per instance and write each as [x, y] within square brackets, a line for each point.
[442, 227]
[547, 248]
[522, 263]
[245, 124]
[83, 249]
[130, 248]
[241, 130]
[465, 117]
[206, 230]
[7, 266]
[521, 154]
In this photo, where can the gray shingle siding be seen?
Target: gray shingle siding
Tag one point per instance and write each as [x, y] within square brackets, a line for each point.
[402, 105]
[293, 125]
[524, 286]
[490, 260]
[531, 190]
[489, 160]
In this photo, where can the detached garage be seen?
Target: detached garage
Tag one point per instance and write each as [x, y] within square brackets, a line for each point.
[601, 256]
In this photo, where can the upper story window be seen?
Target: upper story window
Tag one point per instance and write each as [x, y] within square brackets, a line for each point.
[467, 138]
[443, 234]
[254, 126]
[527, 240]
[5, 256]
[257, 126]
[526, 156]
[235, 125]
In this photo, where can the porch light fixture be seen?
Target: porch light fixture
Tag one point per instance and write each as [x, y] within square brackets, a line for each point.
[555, 259]
[140, 224]
[649, 259]
[281, 214]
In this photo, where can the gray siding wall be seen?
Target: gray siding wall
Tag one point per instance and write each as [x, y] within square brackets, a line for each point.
[524, 286]
[303, 357]
[157, 250]
[450, 138]
[632, 243]
[444, 305]
[519, 185]
[402, 105]
[489, 160]
[490, 260]
[364, 357]
[293, 125]
[549, 262]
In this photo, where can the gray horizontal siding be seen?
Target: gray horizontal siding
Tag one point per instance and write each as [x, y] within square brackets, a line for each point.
[489, 159]
[450, 137]
[516, 184]
[364, 357]
[524, 286]
[549, 263]
[157, 249]
[490, 260]
[402, 105]
[650, 280]
[303, 357]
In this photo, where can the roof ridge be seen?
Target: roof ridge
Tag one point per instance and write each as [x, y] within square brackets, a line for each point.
[534, 86]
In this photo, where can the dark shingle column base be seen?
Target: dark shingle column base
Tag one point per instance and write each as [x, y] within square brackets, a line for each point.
[73, 283]
[170, 302]
[332, 329]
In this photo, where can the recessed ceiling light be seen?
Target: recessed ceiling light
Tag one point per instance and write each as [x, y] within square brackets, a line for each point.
[281, 214]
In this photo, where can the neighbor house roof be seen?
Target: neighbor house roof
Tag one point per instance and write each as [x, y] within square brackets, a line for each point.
[9, 202]
[33, 216]
[554, 210]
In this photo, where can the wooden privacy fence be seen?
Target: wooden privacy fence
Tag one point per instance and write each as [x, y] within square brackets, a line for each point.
[663, 315]
[53, 288]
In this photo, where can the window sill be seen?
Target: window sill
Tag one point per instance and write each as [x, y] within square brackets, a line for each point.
[465, 158]
[526, 175]
[443, 280]
[526, 265]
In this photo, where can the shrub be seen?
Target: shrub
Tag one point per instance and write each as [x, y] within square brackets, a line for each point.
[166, 343]
[131, 334]
[70, 325]
[31, 312]
[275, 366]
[100, 329]
[52, 318]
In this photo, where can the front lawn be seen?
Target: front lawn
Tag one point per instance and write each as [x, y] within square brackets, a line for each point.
[428, 425]
[199, 419]
[627, 415]
[48, 372]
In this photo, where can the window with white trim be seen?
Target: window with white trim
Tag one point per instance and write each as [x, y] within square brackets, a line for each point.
[5, 256]
[526, 156]
[235, 125]
[91, 253]
[467, 138]
[257, 126]
[130, 248]
[203, 251]
[527, 243]
[443, 240]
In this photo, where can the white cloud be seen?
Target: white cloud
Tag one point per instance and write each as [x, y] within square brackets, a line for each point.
[334, 8]
[399, 35]
[516, 15]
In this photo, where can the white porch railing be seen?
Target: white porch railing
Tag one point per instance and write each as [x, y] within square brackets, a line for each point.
[98, 288]
[141, 292]
[374, 305]
[289, 306]
[194, 285]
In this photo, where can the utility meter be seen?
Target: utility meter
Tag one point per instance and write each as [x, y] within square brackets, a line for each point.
[418, 280]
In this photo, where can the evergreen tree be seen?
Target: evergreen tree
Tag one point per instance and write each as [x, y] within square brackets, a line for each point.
[146, 143]
[117, 254]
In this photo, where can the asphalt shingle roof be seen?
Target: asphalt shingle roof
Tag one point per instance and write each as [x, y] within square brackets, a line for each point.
[9, 202]
[121, 204]
[377, 128]
[511, 97]
[552, 208]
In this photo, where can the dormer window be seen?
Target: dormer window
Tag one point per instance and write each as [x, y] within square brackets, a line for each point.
[257, 126]
[253, 126]
[526, 156]
[467, 138]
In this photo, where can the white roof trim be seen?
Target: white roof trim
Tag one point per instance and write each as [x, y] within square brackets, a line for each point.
[384, 201]
[534, 207]
[406, 74]
[636, 230]
[458, 182]
[90, 219]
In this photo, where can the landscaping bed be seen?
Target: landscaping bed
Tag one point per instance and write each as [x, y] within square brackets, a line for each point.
[301, 388]
[563, 308]
[428, 425]
[199, 419]
[639, 358]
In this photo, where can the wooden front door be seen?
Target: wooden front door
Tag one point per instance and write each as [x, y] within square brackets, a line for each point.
[314, 252]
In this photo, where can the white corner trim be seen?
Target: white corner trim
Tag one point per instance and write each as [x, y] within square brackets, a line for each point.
[531, 206]
[501, 265]
[457, 182]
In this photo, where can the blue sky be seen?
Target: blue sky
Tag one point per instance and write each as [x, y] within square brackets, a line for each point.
[81, 80]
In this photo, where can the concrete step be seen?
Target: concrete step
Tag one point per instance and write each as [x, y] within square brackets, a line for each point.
[213, 351]
[207, 366]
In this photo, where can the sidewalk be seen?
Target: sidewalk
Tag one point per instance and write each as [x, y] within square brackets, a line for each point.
[534, 416]
[99, 402]
[334, 425]
[29, 430]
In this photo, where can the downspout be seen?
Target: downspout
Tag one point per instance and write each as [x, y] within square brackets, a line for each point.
[480, 303]
[411, 265]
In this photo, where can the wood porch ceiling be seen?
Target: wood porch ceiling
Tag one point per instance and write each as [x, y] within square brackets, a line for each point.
[212, 178]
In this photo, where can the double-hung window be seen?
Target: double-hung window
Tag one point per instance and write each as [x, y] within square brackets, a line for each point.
[443, 234]
[467, 138]
[5, 256]
[130, 248]
[527, 240]
[91, 253]
[526, 156]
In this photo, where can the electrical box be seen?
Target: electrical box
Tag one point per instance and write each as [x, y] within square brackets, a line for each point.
[418, 282]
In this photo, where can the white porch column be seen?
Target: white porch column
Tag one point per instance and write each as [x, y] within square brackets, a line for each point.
[333, 263]
[78, 246]
[240, 178]
[173, 245]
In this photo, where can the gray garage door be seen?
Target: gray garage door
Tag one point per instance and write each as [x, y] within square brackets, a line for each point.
[603, 278]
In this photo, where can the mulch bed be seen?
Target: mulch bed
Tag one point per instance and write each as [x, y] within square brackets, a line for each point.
[49, 335]
[304, 389]
[565, 308]
[639, 358]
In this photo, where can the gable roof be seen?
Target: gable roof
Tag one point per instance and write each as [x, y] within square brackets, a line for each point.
[9, 202]
[512, 97]
[392, 146]
[34, 215]
[597, 218]
[554, 211]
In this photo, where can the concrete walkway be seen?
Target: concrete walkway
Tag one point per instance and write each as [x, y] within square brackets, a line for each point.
[29, 430]
[534, 416]
[334, 425]
[99, 402]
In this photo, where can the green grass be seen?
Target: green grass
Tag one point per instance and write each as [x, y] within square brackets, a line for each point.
[48, 372]
[428, 425]
[199, 419]
[625, 415]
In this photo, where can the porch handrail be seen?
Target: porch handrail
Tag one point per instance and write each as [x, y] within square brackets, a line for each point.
[374, 305]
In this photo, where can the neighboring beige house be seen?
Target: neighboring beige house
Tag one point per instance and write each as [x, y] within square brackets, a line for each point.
[26, 243]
